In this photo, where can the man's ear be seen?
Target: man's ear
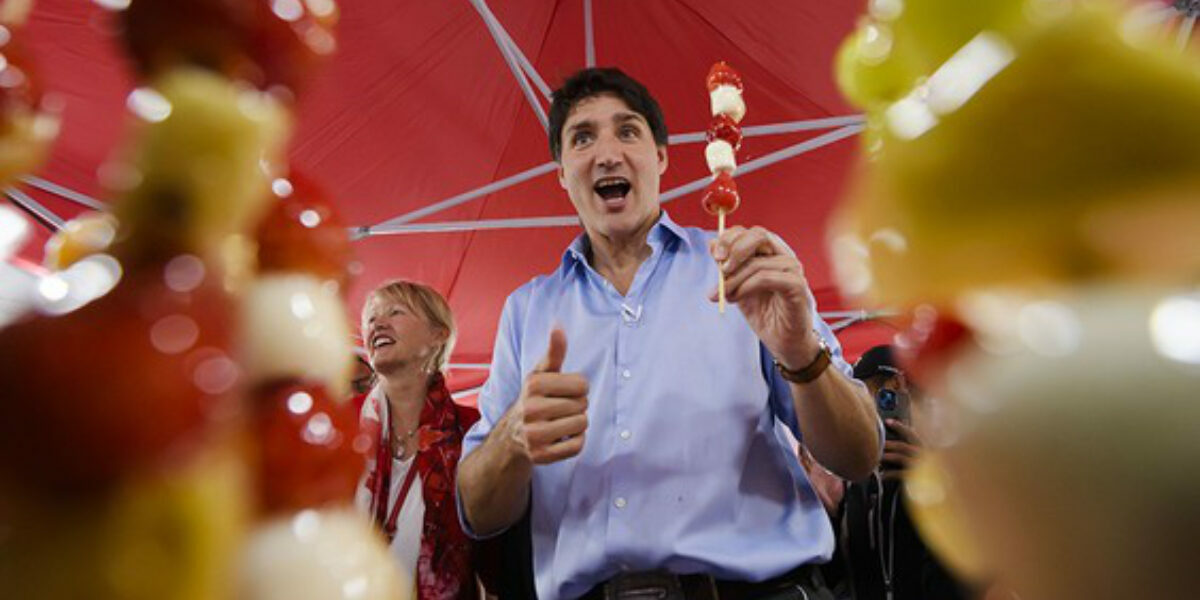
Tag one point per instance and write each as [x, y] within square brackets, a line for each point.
[562, 180]
[662, 160]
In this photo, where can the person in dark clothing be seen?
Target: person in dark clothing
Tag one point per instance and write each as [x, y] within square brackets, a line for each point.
[880, 554]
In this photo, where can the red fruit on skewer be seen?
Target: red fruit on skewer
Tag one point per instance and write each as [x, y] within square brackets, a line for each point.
[303, 233]
[930, 345]
[311, 451]
[725, 92]
[133, 380]
[723, 74]
[728, 109]
[264, 42]
[721, 196]
[723, 127]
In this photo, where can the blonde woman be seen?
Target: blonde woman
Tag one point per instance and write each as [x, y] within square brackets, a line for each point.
[408, 489]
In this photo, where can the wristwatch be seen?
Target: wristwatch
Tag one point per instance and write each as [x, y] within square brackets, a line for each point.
[814, 368]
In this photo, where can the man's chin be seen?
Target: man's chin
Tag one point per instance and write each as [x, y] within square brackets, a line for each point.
[621, 225]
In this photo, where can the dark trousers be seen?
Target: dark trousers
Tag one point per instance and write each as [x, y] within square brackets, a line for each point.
[801, 583]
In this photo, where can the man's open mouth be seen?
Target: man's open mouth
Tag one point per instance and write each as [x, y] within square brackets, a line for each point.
[612, 188]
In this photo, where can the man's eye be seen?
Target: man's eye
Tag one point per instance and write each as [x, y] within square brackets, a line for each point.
[580, 138]
[629, 131]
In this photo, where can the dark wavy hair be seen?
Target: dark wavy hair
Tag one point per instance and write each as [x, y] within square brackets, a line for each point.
[595, 81]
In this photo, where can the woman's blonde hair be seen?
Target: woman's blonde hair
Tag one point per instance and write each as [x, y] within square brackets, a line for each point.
[422, 300]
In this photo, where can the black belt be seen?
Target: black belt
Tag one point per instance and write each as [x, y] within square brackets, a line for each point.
[803, 582]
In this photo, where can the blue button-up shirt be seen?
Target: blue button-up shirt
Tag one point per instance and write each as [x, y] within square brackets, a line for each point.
[685, 465]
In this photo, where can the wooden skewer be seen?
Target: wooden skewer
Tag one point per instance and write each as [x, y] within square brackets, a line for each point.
[721, 271]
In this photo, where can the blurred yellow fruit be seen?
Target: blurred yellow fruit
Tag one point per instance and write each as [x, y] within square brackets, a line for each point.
[15, 12]
[85, 235]
[937, 513]
[1077, 161]
[201, 164]
[29, 119]
[871, 70]
[165, 536]
[25, 140]
[901, 42]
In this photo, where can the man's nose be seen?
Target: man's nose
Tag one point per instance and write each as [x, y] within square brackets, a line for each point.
[609, 153]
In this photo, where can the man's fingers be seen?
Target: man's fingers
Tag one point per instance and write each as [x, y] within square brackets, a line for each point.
[552, 441]
[719, 246]
[554, 407]
[560, 450]
[739, 248]
[761, 282]
[546, 433]
[905, 431]
[900, 448]
[556, 352]
[548, 409]
[556, 385]
[896, 458]
[735, 279]
[750, 243]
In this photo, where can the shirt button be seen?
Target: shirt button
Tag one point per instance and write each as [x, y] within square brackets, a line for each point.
[626, 373]
[626, 434]
[619, 503]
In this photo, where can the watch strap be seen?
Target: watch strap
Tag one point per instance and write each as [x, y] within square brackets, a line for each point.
[810, 372]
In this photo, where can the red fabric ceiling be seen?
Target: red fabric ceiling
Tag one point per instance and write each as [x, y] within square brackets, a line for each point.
[419, 105]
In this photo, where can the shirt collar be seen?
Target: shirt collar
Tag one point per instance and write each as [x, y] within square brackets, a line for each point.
[660, 235]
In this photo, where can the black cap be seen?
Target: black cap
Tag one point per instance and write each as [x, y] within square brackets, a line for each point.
[879, 358]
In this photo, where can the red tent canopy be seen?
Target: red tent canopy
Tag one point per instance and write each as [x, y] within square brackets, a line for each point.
[428, 102]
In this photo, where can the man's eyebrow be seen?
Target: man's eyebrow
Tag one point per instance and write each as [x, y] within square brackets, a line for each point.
[584, 124]
[625, 117]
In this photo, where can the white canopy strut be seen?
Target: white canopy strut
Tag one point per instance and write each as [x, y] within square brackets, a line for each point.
[389, 228]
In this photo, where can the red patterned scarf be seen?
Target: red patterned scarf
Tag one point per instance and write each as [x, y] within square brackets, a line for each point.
[445, 569]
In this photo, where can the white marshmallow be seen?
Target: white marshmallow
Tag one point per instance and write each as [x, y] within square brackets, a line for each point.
[295, 326]
[727, 100]
[319, 554]
[720, 156]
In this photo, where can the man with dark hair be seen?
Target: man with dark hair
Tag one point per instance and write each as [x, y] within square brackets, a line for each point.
[686, 486]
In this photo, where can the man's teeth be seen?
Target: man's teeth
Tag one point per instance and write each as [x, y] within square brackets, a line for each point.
[612, 187]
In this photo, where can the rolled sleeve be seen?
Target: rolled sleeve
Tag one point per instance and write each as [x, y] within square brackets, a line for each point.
[501, 389]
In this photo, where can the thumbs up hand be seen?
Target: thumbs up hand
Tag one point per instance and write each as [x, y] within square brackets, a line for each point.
[551, 414]
[556, 353]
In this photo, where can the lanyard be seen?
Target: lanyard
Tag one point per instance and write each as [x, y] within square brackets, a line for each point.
[383, 462]
[389, 528]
